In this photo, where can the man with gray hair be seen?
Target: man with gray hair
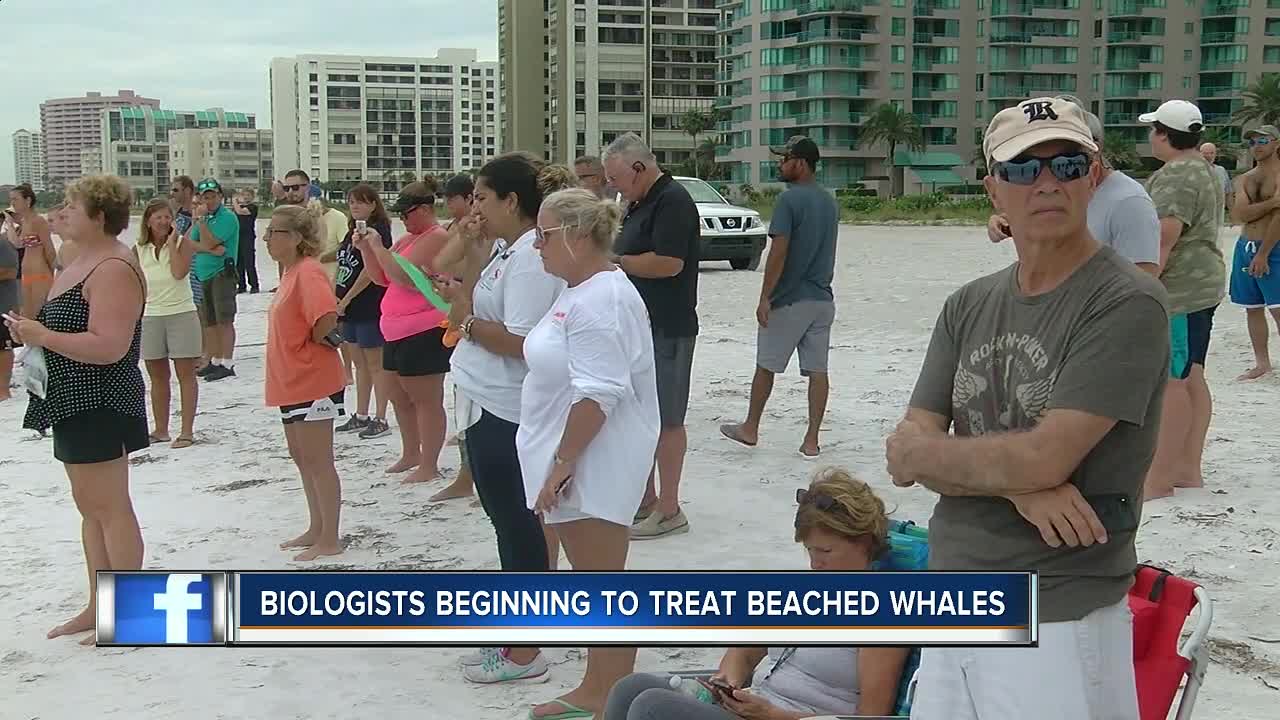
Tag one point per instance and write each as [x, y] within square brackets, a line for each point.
[590, 172]
[1121, 214]
[658, 248]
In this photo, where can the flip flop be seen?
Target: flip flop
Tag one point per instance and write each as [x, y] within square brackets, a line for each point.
[732, 432]
[807, 456]
[181, 442]
[571, 712]
[157, 438]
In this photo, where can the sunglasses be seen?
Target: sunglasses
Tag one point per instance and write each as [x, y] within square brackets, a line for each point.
[541, 232]
[409, 210]
[291, 188]
[1066, 167]
[822, 501]
[1256, 141]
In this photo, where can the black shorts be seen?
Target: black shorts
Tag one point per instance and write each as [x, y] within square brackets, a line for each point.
[330, 408]
[417, 355]
[99, 435]
[1198, 327]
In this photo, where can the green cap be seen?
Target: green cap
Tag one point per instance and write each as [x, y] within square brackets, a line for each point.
[207, 185]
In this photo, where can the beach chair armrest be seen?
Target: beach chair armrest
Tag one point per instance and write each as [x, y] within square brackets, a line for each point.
[1196, 651]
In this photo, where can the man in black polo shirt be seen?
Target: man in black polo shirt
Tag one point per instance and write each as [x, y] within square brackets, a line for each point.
[658, 249]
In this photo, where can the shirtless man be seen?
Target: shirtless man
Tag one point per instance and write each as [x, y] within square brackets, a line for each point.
[1253, 284]
[25, 228]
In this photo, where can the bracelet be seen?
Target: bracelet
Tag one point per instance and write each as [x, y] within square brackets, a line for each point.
[561, 461]
[465, 328]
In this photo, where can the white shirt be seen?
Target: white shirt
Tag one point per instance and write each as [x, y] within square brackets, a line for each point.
[595, 343]
[515, 290]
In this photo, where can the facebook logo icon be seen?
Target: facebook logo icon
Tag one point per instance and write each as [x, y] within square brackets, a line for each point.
[163, 608]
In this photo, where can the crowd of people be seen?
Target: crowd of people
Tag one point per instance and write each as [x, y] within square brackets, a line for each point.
[567, 321]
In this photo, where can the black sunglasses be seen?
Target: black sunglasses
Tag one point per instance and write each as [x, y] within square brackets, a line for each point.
[291, 188]
[1024, 170]
[822, 501]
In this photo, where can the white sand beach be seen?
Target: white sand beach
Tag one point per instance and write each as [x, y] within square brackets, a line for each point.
[228, 501]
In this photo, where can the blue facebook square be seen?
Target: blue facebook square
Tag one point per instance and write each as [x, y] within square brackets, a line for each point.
[160, 609]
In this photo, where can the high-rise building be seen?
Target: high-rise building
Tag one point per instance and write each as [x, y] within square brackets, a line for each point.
[28, 159]
[70, 125]
[522, 76]
[91, 161]
[353, 118]
[819, 67]
[134, 141]
[611, 67]
[237, 158]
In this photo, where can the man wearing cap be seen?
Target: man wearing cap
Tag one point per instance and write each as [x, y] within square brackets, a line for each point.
[215, 231]
[1189, 202]
[1121, 214]
[1253, 284]
[796, 306]
[1209, 152]
[1049, 372]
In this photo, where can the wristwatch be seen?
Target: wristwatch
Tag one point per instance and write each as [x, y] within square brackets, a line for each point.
[465, 328]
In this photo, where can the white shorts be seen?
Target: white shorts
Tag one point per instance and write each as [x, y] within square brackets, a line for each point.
[1082, 670]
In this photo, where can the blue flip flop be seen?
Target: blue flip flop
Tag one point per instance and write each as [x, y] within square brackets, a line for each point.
[572, 712]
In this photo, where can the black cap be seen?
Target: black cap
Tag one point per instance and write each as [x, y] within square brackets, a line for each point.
[459, 185]
[799, 146]
[413, 195]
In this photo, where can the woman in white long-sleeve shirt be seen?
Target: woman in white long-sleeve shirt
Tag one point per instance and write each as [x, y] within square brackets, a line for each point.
[589, 417]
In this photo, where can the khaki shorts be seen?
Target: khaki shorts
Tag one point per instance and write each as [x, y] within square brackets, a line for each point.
[172, 337]
[218, 299]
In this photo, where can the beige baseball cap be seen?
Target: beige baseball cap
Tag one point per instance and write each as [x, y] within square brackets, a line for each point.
[1032, 122]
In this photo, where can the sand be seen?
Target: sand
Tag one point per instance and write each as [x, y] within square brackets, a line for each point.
[228, 501]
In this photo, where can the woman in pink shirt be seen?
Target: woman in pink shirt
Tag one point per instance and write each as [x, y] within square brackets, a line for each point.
[414, 331]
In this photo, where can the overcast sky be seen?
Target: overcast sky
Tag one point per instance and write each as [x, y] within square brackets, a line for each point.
[193, 55]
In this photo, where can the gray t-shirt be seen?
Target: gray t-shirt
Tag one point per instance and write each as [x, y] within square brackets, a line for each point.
[808, 217]
[9, 289]
[998, 361]
[1224, 177]
[1122, 217]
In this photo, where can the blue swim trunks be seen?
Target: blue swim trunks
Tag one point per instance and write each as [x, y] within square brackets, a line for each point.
[1249, 291]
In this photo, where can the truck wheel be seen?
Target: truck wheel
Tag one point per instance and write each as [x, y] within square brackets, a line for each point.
[750, 263]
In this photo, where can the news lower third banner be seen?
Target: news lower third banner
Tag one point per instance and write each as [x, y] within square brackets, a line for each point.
[488, 609]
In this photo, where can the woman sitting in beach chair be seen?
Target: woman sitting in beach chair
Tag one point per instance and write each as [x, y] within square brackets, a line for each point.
[843, 527]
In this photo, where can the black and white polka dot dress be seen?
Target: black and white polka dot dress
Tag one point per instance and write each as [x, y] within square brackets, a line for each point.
[76, 387]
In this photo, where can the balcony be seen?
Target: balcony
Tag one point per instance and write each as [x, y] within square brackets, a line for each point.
[1009, 38]
[1215, 38]
[854, 61]
[1214, 65]
[721, 101]
[828, 118]
[1216, 118]
[833, 89]
[925, 91]
[1120, 37]
[810, 36]
[1219, 8]
[1134, 7]
[808, 7]
[1121, 119]
[1208, 91]
[927, 7]
[1132, 91]
[927, 38]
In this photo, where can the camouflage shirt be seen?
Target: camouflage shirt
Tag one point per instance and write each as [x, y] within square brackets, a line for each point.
[1195, 275]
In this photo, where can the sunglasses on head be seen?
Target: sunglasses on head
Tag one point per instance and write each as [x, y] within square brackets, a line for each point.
[1024, 170]
[822, 501]
[1259, 140]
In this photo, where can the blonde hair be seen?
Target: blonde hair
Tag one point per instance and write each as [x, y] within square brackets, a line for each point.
[595, 218]
[105, 195]
[855, 511]
[304, 220]
[554, 178]
[153, 207]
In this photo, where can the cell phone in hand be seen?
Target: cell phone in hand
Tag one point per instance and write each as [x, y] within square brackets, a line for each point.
[720, 687]
[333, 339]
[361, 226]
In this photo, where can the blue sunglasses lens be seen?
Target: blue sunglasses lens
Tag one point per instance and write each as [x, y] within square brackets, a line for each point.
[1259, 141]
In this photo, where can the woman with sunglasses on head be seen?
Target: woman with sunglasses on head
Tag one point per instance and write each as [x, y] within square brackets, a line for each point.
[304, 373]
[511, 296]
[843, 527]
[589, 411]
[90, 330]
[414, 352]
[360, 313]
[170, 325]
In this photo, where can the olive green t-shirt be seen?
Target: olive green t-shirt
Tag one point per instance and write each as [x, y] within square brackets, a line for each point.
[998, 361]
[1196, 274]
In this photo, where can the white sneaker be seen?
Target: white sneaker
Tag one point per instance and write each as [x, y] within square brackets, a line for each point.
[498, 668]
[478, 657]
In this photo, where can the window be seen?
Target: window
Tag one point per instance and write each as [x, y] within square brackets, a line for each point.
[1186, 56]
[898, 53]
[897, 81]
[982, 28]
[982, 55]
[1189, 28]
[979, 83]
[899, 26]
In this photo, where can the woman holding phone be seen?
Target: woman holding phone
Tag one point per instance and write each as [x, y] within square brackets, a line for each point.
[170, 326]
[414, 353]
[304, 374]
[843, 527]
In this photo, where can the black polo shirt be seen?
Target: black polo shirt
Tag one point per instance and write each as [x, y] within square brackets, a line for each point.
[666, 222]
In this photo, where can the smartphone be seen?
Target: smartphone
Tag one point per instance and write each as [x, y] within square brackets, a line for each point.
[333, 339]
[361, 226]
[720, 688]
[1116, 512]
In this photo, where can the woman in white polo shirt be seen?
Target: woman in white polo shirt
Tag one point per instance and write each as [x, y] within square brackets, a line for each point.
[511, 295]
[589, 418]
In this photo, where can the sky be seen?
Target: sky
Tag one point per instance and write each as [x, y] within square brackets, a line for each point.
[194, 56]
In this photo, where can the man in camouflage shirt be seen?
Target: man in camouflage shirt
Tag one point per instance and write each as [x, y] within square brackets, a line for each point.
[1189, 201]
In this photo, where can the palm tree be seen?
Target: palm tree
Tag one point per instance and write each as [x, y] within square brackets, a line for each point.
[892, 126]
[705, 155]
[1261, 101]
[1120, 151]
[694, 123]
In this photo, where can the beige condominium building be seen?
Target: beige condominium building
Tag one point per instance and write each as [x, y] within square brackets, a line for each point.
[388, 120]
[608, 67]
[134, 141]
[70, 125]
[819, 67]
[238, 158]
[28, 159]
[91, 161]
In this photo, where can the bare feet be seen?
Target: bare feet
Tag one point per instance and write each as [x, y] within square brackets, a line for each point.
[738, 433]
[1192, 480]
[456, 489]
[403, 465]
[306, 539]
[1152, 491]
[1256, 372]
[810, 449]
[90, 640]
[78, 624]
[159, 437]
[422, 475]
[321, 550]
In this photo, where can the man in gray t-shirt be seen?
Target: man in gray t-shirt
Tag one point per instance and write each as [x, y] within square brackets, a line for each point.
[1209, 152]
[1050, 372]
[796, 306]
[9, 301]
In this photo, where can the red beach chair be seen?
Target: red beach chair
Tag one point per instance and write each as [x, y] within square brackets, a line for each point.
[1161, 603]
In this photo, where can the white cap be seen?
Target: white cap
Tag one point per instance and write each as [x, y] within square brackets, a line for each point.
[1176, 115]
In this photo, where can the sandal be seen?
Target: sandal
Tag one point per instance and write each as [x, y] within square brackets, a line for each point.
[181, 442]
[156, 438]
[733, 431]
[570, 712]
